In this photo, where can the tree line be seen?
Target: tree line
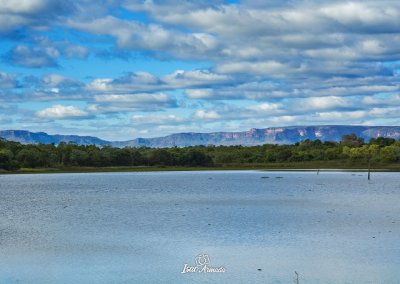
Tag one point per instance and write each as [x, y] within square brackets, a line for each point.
[350, 149]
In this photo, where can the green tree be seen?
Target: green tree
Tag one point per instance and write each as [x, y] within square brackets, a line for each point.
[351, 140]
[6, 160]
[79, 157]
[195, 157]
[382, 141]
[29, 157]
[161, 157]
[390, 153]
[364, 153]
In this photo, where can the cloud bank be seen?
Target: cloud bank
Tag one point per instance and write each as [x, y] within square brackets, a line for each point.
[198, 66]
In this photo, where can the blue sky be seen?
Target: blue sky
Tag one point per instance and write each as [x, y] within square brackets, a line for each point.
[125, 69]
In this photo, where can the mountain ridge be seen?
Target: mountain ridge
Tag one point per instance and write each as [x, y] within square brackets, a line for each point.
[252, 137]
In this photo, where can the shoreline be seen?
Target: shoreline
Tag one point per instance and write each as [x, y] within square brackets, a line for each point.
[216, 168]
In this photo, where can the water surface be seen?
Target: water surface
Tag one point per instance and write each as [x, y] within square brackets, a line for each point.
[335, 227]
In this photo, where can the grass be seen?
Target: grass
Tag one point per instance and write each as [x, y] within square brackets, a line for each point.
[310, 165]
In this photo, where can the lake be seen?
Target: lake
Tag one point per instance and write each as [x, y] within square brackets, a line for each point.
[251, 226]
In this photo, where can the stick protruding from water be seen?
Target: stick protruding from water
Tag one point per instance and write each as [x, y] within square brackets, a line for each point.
[297, 277]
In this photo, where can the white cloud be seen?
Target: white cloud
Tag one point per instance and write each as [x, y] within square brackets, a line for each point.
[391, 100]
[372, 13]
[7, 81]
[22, 6]
[283, 120]
[268, 67]
[138, 36]
[32, 14]
[34, 57]
[136, 99]
[273, 39]
[199, 93]
[10, 22]
[248, 91]
[101, 84]
[167, 119]
[193, 78]
[206, 114]
[62, 112]
[259, 62]
[146, 82]
[54, 79]
[321, 103]
[268, 108]
[132, 102]
[341, 116]
[57, 80]
[43, 52]
[75, 51]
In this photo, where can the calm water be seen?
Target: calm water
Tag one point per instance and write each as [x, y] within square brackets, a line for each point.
[144, 227]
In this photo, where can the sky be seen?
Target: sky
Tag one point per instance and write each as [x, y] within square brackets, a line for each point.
[120, 70]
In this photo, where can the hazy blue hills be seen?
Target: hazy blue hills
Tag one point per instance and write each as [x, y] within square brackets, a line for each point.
[26, 137]
[273, 135]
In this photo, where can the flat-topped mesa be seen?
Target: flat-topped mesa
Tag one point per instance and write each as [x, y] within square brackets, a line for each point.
[254, 136]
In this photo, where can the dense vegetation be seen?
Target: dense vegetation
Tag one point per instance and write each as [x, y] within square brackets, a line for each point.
[352, 150]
